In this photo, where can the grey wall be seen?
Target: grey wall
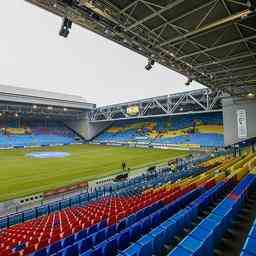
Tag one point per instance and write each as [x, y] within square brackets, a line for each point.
[230, 107]
[94, 129]
[79, 126]
[87, 130]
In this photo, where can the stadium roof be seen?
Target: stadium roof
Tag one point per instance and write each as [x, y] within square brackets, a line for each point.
[210, 41]
[29, 103]
[31, 96]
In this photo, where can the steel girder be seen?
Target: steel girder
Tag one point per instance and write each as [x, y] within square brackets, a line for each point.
[201, 39]
[197, 101]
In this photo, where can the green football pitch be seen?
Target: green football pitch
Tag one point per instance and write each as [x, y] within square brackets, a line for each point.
[21, 175]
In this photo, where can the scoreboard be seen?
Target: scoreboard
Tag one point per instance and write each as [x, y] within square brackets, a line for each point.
[133, 110]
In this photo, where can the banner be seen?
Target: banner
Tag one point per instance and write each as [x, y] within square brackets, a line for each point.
[67, 189]
[241, 124]
[17, 131]
[141, 138]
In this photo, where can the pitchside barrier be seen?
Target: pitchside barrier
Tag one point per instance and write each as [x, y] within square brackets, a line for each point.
[7, 146]
[82, 199]
[144, 181]
[133, 144]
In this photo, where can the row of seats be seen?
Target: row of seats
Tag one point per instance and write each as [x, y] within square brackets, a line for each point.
[144, 223]
[202, 240]
[118, 236]
[249, 248]
[61, 224]
[125, 188]
[153, 243]
[204, 140]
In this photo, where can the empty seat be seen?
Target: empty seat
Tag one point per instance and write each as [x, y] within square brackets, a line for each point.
[158, 240]
[68, 241]
[71, 250]
[42, 252]
[80, 235]
[99, 236]
[92, 229]
[53, 248]
[135, 231]
[123, 240]
[111, 230]
[85, 244]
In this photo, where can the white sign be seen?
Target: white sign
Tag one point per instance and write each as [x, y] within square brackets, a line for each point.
[241, 124]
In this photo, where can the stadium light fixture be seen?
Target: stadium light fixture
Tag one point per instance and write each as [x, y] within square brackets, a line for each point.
[65, 109]
[16, 114]
[1, 114]
[34, 106]
[190, 80]
[65, 27]
[150, 64]
[49, 108]
[250, 95]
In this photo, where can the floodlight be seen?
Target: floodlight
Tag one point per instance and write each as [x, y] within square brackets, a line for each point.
[190, 80]
[150, 64]
[65, 27]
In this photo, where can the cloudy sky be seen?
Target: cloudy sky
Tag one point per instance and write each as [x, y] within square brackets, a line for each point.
[33, 55]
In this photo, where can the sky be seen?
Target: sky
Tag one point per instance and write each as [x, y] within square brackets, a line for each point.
[33, 55]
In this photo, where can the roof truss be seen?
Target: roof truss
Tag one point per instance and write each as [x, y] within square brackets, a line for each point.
[198, 39]
[198, 101]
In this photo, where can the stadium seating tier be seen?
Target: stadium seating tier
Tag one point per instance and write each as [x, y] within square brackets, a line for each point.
[42, 134]
[205, 130]
[141, 223]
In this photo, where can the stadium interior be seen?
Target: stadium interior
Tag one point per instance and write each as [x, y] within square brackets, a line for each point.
[172, 175]
[18, 133]
[203, 130]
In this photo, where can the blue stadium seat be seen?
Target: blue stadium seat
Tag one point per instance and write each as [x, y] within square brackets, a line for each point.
[111, 230]
[42, 252]
[53, 248]
[155, 218]
[92, 229]
[72, 250]
[81, 234]
[135, 231]
[121, 225]
[85, 244]
[68, 241]
[131, 219]
[158, 237]
[99, 236]
[123, 239]
[146, 225]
